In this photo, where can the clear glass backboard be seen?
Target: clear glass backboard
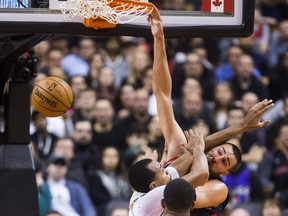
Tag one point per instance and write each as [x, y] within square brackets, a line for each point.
[181, 18]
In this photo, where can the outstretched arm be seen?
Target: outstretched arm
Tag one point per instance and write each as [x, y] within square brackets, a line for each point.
[252, 121]
[162, 86]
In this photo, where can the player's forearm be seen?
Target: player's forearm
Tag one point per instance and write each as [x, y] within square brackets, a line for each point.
[161, 80]
[199, 172]
[222, 136]
[183, 163]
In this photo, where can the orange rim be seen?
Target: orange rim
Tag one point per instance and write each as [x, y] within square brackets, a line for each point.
[119, 6]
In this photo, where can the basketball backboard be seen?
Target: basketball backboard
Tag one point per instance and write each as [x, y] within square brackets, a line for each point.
[181, 18]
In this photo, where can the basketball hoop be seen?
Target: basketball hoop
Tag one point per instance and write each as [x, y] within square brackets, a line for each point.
[105, 13]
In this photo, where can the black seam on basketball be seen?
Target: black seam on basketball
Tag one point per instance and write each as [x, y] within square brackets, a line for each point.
[53, 96]
[70, 99]
[62, 111]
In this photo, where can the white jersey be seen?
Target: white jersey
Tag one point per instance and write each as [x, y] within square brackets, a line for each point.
[149, 204]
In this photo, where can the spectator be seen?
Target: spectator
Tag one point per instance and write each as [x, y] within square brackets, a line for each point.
[193, 67]
[96, 64]
[261, 33]
[227, 69]
[155, 136]
[109, 182]
[114, 58]
[273, 130]
[279, 163]
[192, 110]
[137, 143]
[125, 101]
[69, 198]
[41, 50]
[139, 64]
[146, 81]
[278, 44]
[77, 84]
[245, 81]
[78, 64]
[61, 126]
[271, 207]
[105, 129]
[201, 126]
[239, 212]
[43, 140]
[105, 88]
[85, 105]
[65, 147]
[248, 45]
[252, 152]
[85, 152]
[190, 86]
[53, 67]
[240, 185]
[245, 183]
[201, 51]
[44, 194]
[279, 79]
[139, 113]
[248, 100]
[223, 99]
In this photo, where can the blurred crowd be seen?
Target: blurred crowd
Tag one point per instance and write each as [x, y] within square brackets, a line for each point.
[82, 157]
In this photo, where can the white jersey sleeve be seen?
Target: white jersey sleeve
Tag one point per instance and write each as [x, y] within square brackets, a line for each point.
[149, 204]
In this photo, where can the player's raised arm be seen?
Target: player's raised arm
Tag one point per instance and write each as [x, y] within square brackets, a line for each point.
[252, 121]
[162, 87]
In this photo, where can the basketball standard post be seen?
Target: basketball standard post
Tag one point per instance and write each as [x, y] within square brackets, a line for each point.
[19, 194]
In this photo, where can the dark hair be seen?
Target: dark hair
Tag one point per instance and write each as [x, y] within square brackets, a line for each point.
[179, 195]
[140, 176]
[35, 114]
[231, 102]
[238, 154]
[236, 107]
[120, 170]
[137, 128]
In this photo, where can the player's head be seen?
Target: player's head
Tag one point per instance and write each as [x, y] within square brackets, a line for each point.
[147, 174]
[224, 159]
[179, 197]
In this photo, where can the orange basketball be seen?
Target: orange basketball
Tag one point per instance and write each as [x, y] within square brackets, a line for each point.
[52, 96]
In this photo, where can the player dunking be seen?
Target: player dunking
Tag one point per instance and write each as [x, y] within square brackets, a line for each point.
[221, 159]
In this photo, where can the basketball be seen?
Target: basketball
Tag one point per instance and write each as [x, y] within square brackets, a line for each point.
[52, 96]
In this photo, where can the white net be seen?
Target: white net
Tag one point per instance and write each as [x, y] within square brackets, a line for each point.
[115, 12]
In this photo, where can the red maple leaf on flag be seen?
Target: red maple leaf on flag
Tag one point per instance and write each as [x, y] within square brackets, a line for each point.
[217, 3]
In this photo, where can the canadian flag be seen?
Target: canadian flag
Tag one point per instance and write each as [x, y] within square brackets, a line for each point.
[218, 6]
